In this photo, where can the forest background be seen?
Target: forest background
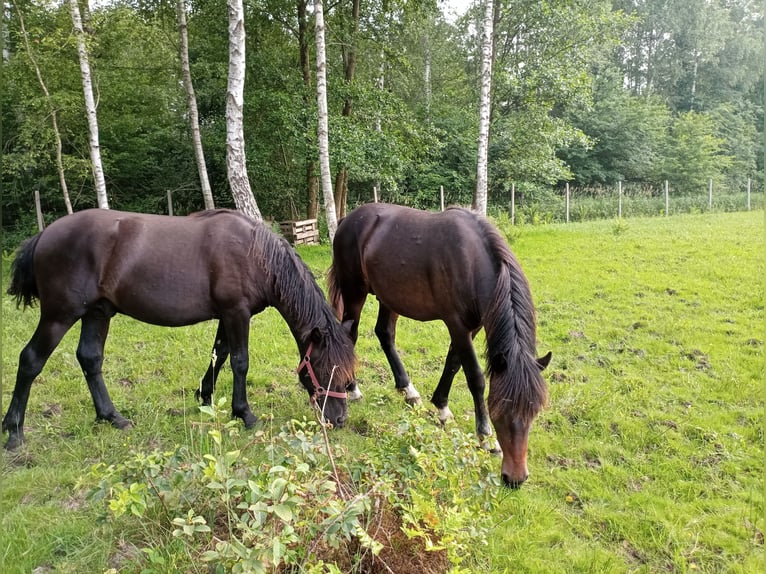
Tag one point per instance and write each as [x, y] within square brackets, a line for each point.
[586, 92]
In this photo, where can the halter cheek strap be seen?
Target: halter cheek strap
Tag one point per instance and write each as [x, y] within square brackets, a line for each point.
[319, 391]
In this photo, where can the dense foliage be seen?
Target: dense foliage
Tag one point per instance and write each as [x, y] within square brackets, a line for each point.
[586, 92]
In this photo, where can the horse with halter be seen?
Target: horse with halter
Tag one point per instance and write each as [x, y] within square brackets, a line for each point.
[172, 271]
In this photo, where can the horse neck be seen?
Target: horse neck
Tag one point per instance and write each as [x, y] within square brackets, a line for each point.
[296, 296]
[511, 332]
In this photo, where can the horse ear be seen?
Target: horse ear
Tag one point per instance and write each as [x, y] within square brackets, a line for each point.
[543, 361]
[347, 325]
[498, 364]
[316, 335]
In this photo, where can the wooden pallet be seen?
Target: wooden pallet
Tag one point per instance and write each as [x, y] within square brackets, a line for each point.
[303, 232]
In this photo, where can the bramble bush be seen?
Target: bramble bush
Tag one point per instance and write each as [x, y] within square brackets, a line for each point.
[291, 510]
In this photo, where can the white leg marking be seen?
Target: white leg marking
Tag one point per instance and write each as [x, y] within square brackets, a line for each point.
[445, 414]
[411, 395]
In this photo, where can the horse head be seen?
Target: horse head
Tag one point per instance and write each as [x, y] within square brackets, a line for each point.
[324, 377]
[513, 422]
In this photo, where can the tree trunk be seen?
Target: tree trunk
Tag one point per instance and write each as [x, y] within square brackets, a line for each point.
[235, 135]
[312, 185]
[480, 195]
[199, 154]
[322, 130]
[90, 108]
[54, 118]
[349, 64]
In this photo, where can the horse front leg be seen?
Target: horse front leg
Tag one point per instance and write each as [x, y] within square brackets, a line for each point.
[238, 328]
[463, 345]
[440, 398]
[90, 355]
[385, 329]
[217, 358]
[32, 359]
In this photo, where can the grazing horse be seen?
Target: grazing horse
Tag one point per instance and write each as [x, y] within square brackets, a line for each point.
[172, 271]
[456, 267]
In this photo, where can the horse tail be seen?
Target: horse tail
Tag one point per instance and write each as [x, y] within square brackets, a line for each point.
[510, 327]
[336, 299]
[23, 283]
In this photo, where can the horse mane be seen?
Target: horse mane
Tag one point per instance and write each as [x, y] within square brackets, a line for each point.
[302, 302]
[510, 326]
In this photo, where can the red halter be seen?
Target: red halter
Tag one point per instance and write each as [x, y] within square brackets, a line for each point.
[319, 390]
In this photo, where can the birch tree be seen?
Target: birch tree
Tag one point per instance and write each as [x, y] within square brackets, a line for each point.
[52, 110]
[90, 108]
[323, 130]
[349, 54]
[199, 154]
[235, 136]
[312, 185]
[480, 195]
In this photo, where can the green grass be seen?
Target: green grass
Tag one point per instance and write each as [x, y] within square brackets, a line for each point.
[648, 459]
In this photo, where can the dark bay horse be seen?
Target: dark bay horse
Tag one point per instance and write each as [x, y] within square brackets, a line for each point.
[172, 271]
[456, 267]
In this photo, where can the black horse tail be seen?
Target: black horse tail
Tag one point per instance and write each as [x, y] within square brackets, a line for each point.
[23, 283]
[517, 385]
[335, 297]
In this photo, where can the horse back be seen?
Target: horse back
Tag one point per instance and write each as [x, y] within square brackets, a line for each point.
[158, 269]
[422, 265]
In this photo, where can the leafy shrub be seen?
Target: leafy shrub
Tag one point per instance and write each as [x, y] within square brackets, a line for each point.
[293, 511]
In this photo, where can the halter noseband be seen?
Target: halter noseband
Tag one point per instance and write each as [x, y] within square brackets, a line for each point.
[319, 390]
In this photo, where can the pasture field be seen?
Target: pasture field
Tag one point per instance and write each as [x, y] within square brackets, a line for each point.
[648, 459]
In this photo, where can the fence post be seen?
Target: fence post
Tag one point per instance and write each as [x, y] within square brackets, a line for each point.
[748, 194]
[567, 202]
[710, 194]
[513, 204]
[39, 211]
[441, 196]
[619, 201]
[667, 202]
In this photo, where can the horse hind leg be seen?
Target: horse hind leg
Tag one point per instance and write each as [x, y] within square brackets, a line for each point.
[217, 358]
[32, 359]
[385, 329]
[90, 355]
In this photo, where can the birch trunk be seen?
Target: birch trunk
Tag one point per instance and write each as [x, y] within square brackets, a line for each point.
[235, 135]
[312, 185]
[480, 195]
[90, 108]
[322, 130]
[348, 52]
[54, 115]
[199, 154]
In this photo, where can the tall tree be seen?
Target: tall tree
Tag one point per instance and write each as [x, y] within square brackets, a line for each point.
[323, 130]
[90, 108]
[349, 54]
[312, 199]
[235, 135]
[199, 153]
[480, 196]
[52, 110]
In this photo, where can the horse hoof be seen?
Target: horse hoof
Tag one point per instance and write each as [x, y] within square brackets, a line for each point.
[249, 419]
[411, 395]
[121, 423]
[492, 447]
[14, 442]
[445, 415]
